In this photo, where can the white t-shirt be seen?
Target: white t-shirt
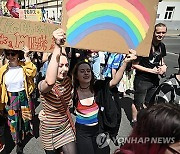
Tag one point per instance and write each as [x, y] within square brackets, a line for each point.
[14, 79]
[102, 57]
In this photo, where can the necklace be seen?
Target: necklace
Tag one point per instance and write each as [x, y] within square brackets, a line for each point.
[83, 88]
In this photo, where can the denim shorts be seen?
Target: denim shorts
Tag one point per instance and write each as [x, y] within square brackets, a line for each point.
[144, 90]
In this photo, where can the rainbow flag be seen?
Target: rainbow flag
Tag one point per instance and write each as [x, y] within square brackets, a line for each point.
[128, 18]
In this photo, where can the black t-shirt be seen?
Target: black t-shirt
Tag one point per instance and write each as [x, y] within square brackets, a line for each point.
[155, 59]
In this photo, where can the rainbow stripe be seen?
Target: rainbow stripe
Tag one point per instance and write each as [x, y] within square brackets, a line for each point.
[87, 114]
[128, 18]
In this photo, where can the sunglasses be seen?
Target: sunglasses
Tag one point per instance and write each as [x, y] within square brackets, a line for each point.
[11, 53]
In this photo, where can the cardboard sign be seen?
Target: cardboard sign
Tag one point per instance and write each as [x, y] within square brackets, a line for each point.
[17, 33]
[30, 14]
[110, 25]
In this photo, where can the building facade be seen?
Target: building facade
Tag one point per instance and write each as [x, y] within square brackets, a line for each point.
[50, 8]
[169, 13]
[168, 10]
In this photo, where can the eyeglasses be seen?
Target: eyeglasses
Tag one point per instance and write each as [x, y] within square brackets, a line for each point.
[11, 53]
[173, 150]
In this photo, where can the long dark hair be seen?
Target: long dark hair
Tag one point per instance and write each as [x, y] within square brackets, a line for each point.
[75, 78]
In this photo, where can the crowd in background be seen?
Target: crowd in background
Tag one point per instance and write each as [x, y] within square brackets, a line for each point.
[93, 78]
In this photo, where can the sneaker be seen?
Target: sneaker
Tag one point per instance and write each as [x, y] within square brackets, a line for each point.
[2, 146]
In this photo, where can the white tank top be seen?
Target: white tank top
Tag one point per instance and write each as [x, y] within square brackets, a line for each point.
[14, 79]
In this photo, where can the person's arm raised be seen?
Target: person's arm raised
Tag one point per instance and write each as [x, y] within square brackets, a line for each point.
[119, 74]
[52, 70]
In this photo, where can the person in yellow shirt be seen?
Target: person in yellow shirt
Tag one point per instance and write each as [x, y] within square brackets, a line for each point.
[16, 86]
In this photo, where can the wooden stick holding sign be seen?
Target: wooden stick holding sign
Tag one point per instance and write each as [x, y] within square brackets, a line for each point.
[17, 33]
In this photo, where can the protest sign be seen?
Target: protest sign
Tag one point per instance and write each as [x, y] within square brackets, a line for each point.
[17, 33]
[110, 25]
[30, 14]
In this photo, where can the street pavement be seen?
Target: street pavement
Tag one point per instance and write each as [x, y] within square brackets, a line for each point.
[173, 33]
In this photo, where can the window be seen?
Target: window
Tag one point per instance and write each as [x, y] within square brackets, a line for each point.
[169, 13]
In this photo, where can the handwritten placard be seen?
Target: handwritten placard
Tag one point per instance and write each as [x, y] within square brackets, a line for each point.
[30, 14]
[17, 33]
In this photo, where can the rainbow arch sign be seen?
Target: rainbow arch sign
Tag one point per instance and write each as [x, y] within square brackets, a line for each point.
[110, 25]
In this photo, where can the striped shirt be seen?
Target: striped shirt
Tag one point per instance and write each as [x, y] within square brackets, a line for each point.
[56, 130]
[87, 114]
